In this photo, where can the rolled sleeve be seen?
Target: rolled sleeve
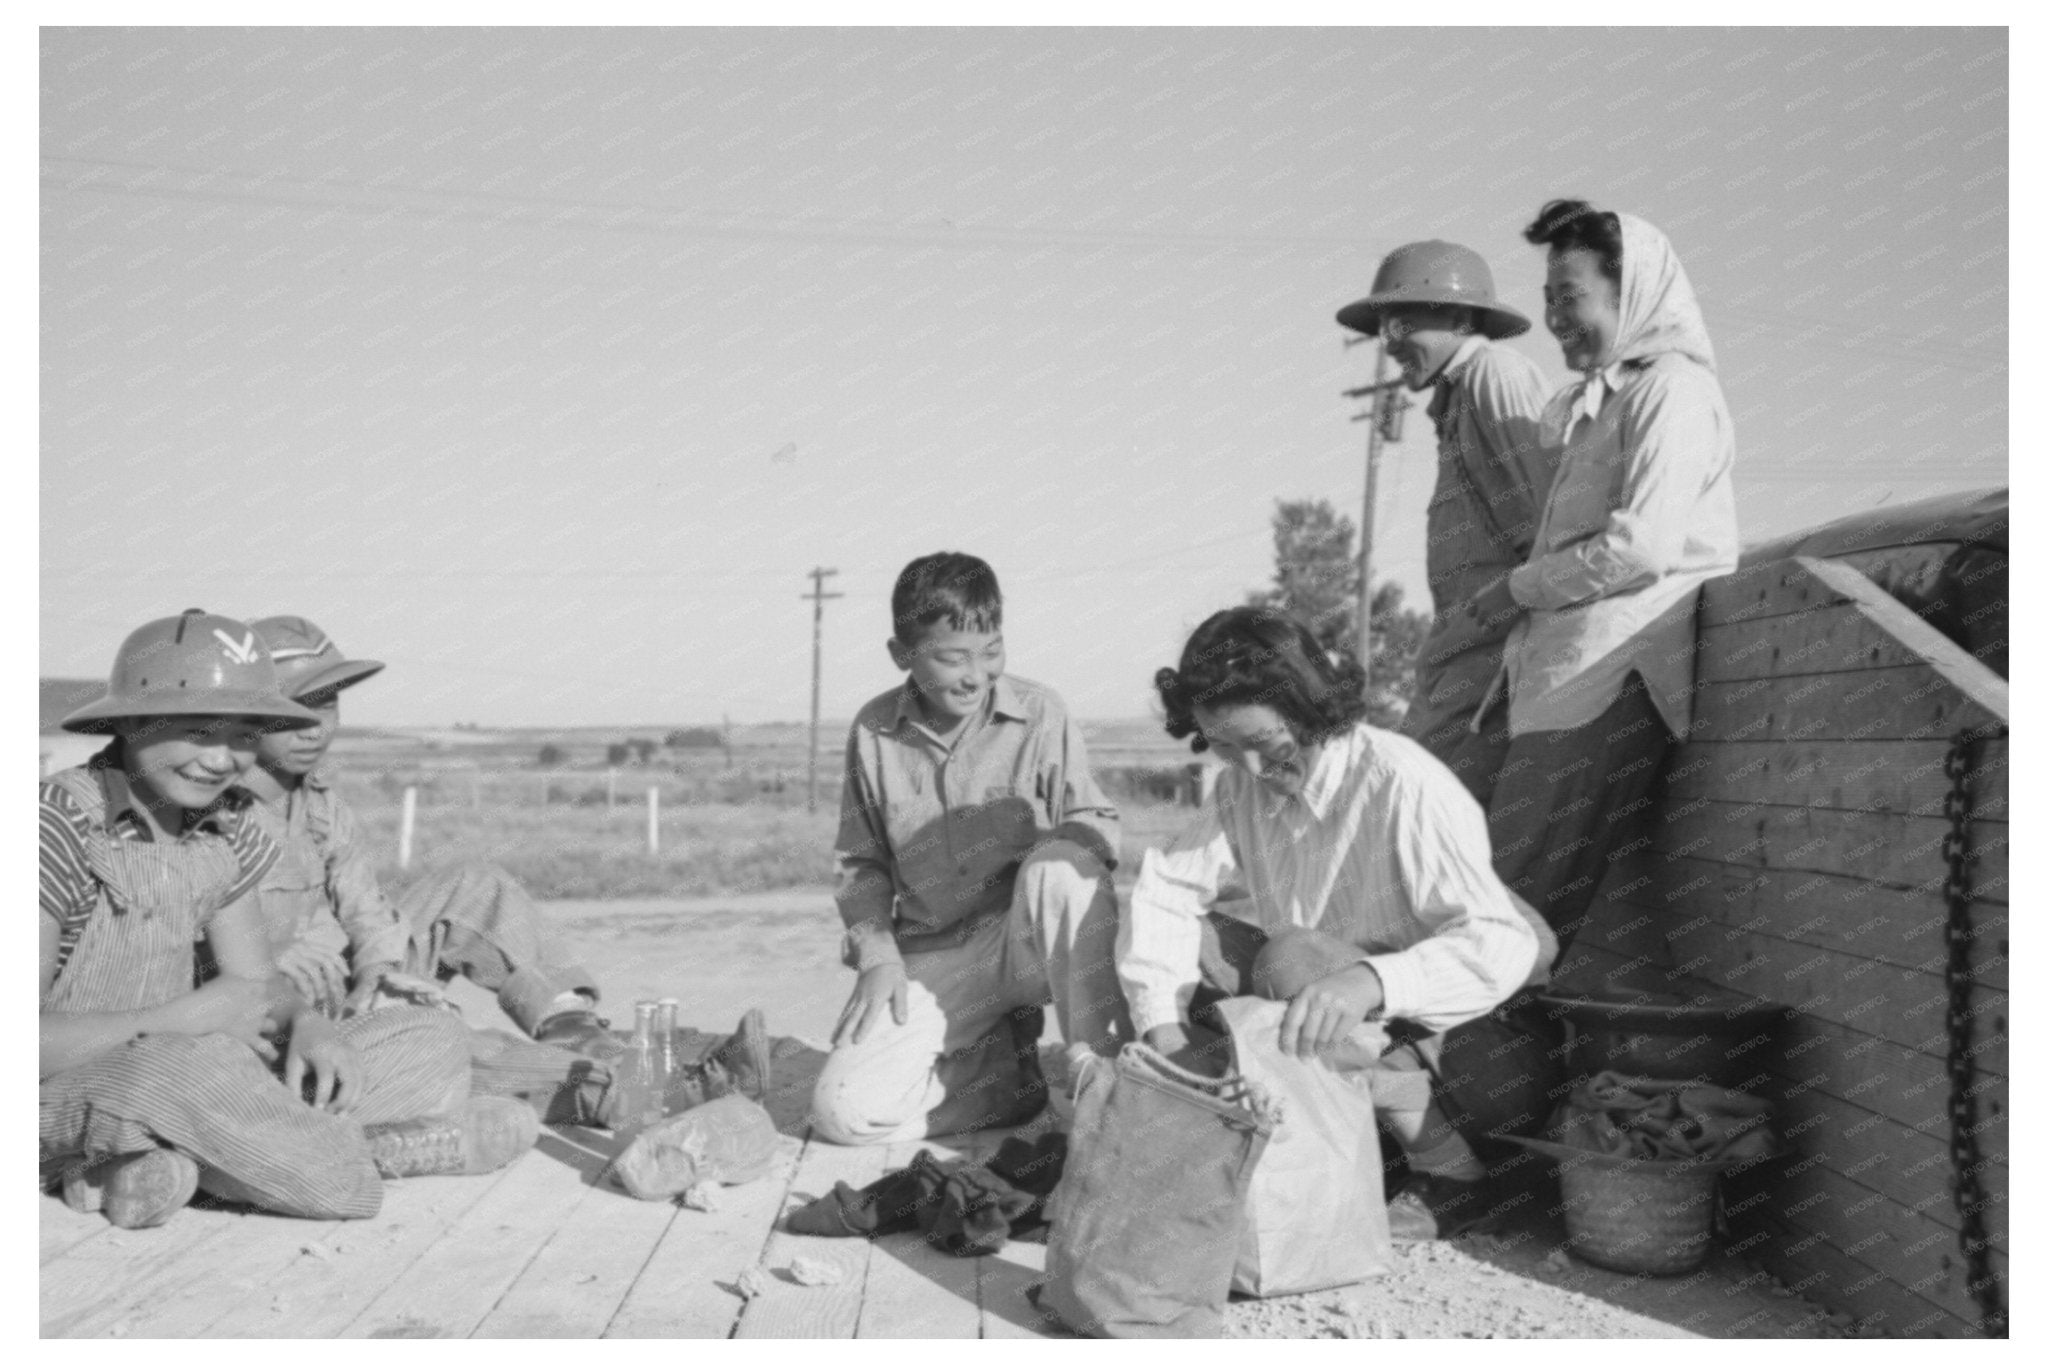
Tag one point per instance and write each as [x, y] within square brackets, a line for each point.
[1480, 950]
[1080, 810]
[1159, 943]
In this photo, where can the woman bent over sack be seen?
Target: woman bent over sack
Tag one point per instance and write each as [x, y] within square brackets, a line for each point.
[1370, 904]
[152, 1089]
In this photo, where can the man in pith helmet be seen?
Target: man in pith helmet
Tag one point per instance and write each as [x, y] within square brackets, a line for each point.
[1433, 305]
[151, 1089]
[335, 931]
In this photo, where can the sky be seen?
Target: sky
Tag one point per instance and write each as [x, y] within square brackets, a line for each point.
[545, 364]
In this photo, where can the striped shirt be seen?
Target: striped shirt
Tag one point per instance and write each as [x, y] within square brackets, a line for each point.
[67, 888]
[1383, 848]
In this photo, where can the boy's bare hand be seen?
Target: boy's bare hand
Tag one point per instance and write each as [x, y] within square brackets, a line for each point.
[863, 1011]
[318, 1049]
[319, 973]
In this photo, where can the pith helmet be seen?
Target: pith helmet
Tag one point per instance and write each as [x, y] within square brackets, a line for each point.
[192, 664]
[307, 661]
[1434, 272]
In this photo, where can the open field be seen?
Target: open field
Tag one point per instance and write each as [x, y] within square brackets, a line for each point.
[731, 821]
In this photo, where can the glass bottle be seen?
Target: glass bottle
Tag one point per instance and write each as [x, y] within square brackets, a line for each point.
[666, 1062]
[636, 1076]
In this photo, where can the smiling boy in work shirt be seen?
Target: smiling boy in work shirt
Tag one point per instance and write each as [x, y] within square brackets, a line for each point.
[975, 853]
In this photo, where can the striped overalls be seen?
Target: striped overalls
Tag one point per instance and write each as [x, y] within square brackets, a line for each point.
[210, 1096]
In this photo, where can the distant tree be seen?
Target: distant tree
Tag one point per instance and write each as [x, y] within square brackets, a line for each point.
[551, 756]
[617, 755]
[695, 737]
[643, 750]
[1315, 578]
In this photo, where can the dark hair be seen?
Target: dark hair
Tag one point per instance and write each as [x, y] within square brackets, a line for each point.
[1575, 225]
[1252, 655]
[948, 586]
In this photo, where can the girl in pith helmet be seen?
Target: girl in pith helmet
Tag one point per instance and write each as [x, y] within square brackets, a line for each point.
[150, 1088]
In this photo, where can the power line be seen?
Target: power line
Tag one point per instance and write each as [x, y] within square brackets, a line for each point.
[522, 211]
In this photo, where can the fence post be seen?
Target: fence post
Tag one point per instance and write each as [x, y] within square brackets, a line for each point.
[654, 822]
[406, 811]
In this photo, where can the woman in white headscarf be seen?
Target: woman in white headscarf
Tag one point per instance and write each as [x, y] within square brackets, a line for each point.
[1598, 672]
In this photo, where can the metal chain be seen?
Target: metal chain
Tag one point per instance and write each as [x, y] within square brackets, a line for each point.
[1965, 1165]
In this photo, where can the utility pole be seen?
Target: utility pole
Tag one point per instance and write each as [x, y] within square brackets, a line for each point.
[1389, 402]
[818, 597]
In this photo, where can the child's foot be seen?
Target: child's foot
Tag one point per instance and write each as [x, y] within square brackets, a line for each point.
[490, 1132]
[135, 1190]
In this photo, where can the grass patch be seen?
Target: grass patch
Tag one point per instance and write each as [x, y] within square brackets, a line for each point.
[577, 853]
[565, 852]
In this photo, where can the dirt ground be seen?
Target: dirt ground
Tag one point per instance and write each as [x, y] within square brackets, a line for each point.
[779, 951]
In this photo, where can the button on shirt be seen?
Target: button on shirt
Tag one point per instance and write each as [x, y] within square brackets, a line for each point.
[1382, 848]
[931, 832]
[1642, 513]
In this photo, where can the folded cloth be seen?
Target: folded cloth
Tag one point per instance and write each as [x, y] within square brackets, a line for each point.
[969, 1209]
[1664, 1120]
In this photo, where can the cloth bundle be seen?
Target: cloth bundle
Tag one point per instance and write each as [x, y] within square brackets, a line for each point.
[1664, 1120]
[967, 1209]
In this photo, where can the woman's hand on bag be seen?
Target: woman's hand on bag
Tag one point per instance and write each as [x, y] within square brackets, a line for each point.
[1326, 1011]
[1191, 1048]
[887, 982]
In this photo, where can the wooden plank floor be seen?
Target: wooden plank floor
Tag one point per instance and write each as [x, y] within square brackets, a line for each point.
[544, 1248]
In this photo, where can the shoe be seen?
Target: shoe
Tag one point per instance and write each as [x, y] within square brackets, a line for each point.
[134, 1190]
[740, 1064]
[1431, 1208]
[490, 1132]
[583, 1032]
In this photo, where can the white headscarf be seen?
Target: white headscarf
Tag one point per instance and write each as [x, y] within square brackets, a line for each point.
[1659, 313]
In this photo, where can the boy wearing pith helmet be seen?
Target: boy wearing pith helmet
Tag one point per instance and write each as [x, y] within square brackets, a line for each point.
[974, 880]
[334, 930]
[1433, 305]
[150, 1088]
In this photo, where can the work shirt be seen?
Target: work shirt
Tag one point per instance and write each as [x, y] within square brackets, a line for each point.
[1641, 514]
[81, 806]
[322, 887]
[1382, 848]
[1493, 469]
[931, 830]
